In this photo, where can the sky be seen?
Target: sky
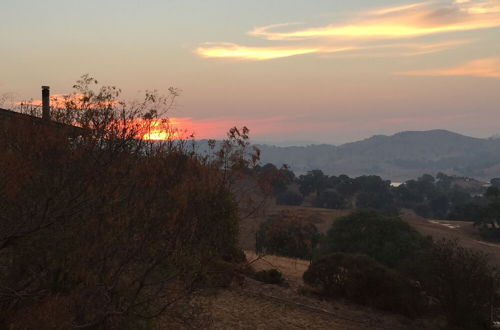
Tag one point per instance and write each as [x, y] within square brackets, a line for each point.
[322, 71]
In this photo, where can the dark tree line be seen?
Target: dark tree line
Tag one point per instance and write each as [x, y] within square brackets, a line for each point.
[439, 197]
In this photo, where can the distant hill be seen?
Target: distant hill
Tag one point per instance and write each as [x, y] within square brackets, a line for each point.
[399, 157]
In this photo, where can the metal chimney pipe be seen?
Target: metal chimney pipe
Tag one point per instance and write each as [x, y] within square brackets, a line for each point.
[45, 102]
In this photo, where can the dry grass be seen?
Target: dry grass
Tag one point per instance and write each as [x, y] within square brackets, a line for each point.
[292, 269]
[254, 305]
[463, 231]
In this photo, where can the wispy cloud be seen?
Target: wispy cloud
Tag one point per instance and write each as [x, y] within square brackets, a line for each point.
[373, 29]
[485, 67]
[408, 21]
[234, 51]
[239, 52]
[390, 10]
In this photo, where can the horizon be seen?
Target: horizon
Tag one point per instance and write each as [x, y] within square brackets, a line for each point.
[328, 72]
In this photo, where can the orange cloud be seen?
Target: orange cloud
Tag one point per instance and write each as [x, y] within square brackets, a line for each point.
[229, 50]
[395, 9]
[485, 67]
[400, 22]
[381, 25]
[237, 52]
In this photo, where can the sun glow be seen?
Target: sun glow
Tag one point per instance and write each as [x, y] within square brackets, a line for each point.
[158, 130]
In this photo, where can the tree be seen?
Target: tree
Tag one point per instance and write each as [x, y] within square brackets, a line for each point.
[489, 220]
[347, 186]
[330, 200]
[314, 181]
[439, 206]
[387, 239]
[288, 235]
[444, 182]
[279, 179]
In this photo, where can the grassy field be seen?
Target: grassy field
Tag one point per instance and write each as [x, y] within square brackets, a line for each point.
[463, 231]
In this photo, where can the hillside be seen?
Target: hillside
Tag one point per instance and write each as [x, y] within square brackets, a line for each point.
[399, 157]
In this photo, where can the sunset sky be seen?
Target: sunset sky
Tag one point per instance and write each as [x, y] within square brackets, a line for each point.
[291, 70]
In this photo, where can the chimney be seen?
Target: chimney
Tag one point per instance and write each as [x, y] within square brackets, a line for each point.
[45, 102]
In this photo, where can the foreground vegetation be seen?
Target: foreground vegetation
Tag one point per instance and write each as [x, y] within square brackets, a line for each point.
[102, 229]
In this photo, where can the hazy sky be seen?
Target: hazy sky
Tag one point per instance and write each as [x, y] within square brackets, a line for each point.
[316, 70]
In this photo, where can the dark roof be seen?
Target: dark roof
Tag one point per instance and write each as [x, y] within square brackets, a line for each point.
[13, 115]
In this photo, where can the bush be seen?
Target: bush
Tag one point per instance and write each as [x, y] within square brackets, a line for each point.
[388, 240]
[461, 281]
[362, 280]
[287, 235]
[271, 276]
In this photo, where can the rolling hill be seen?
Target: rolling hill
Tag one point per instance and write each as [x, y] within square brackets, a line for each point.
[402, 156]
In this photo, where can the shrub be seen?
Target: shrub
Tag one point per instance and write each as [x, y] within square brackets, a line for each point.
[362, 280]
[388, 240]
[462, 282]
[270, 276]
[287, 235]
